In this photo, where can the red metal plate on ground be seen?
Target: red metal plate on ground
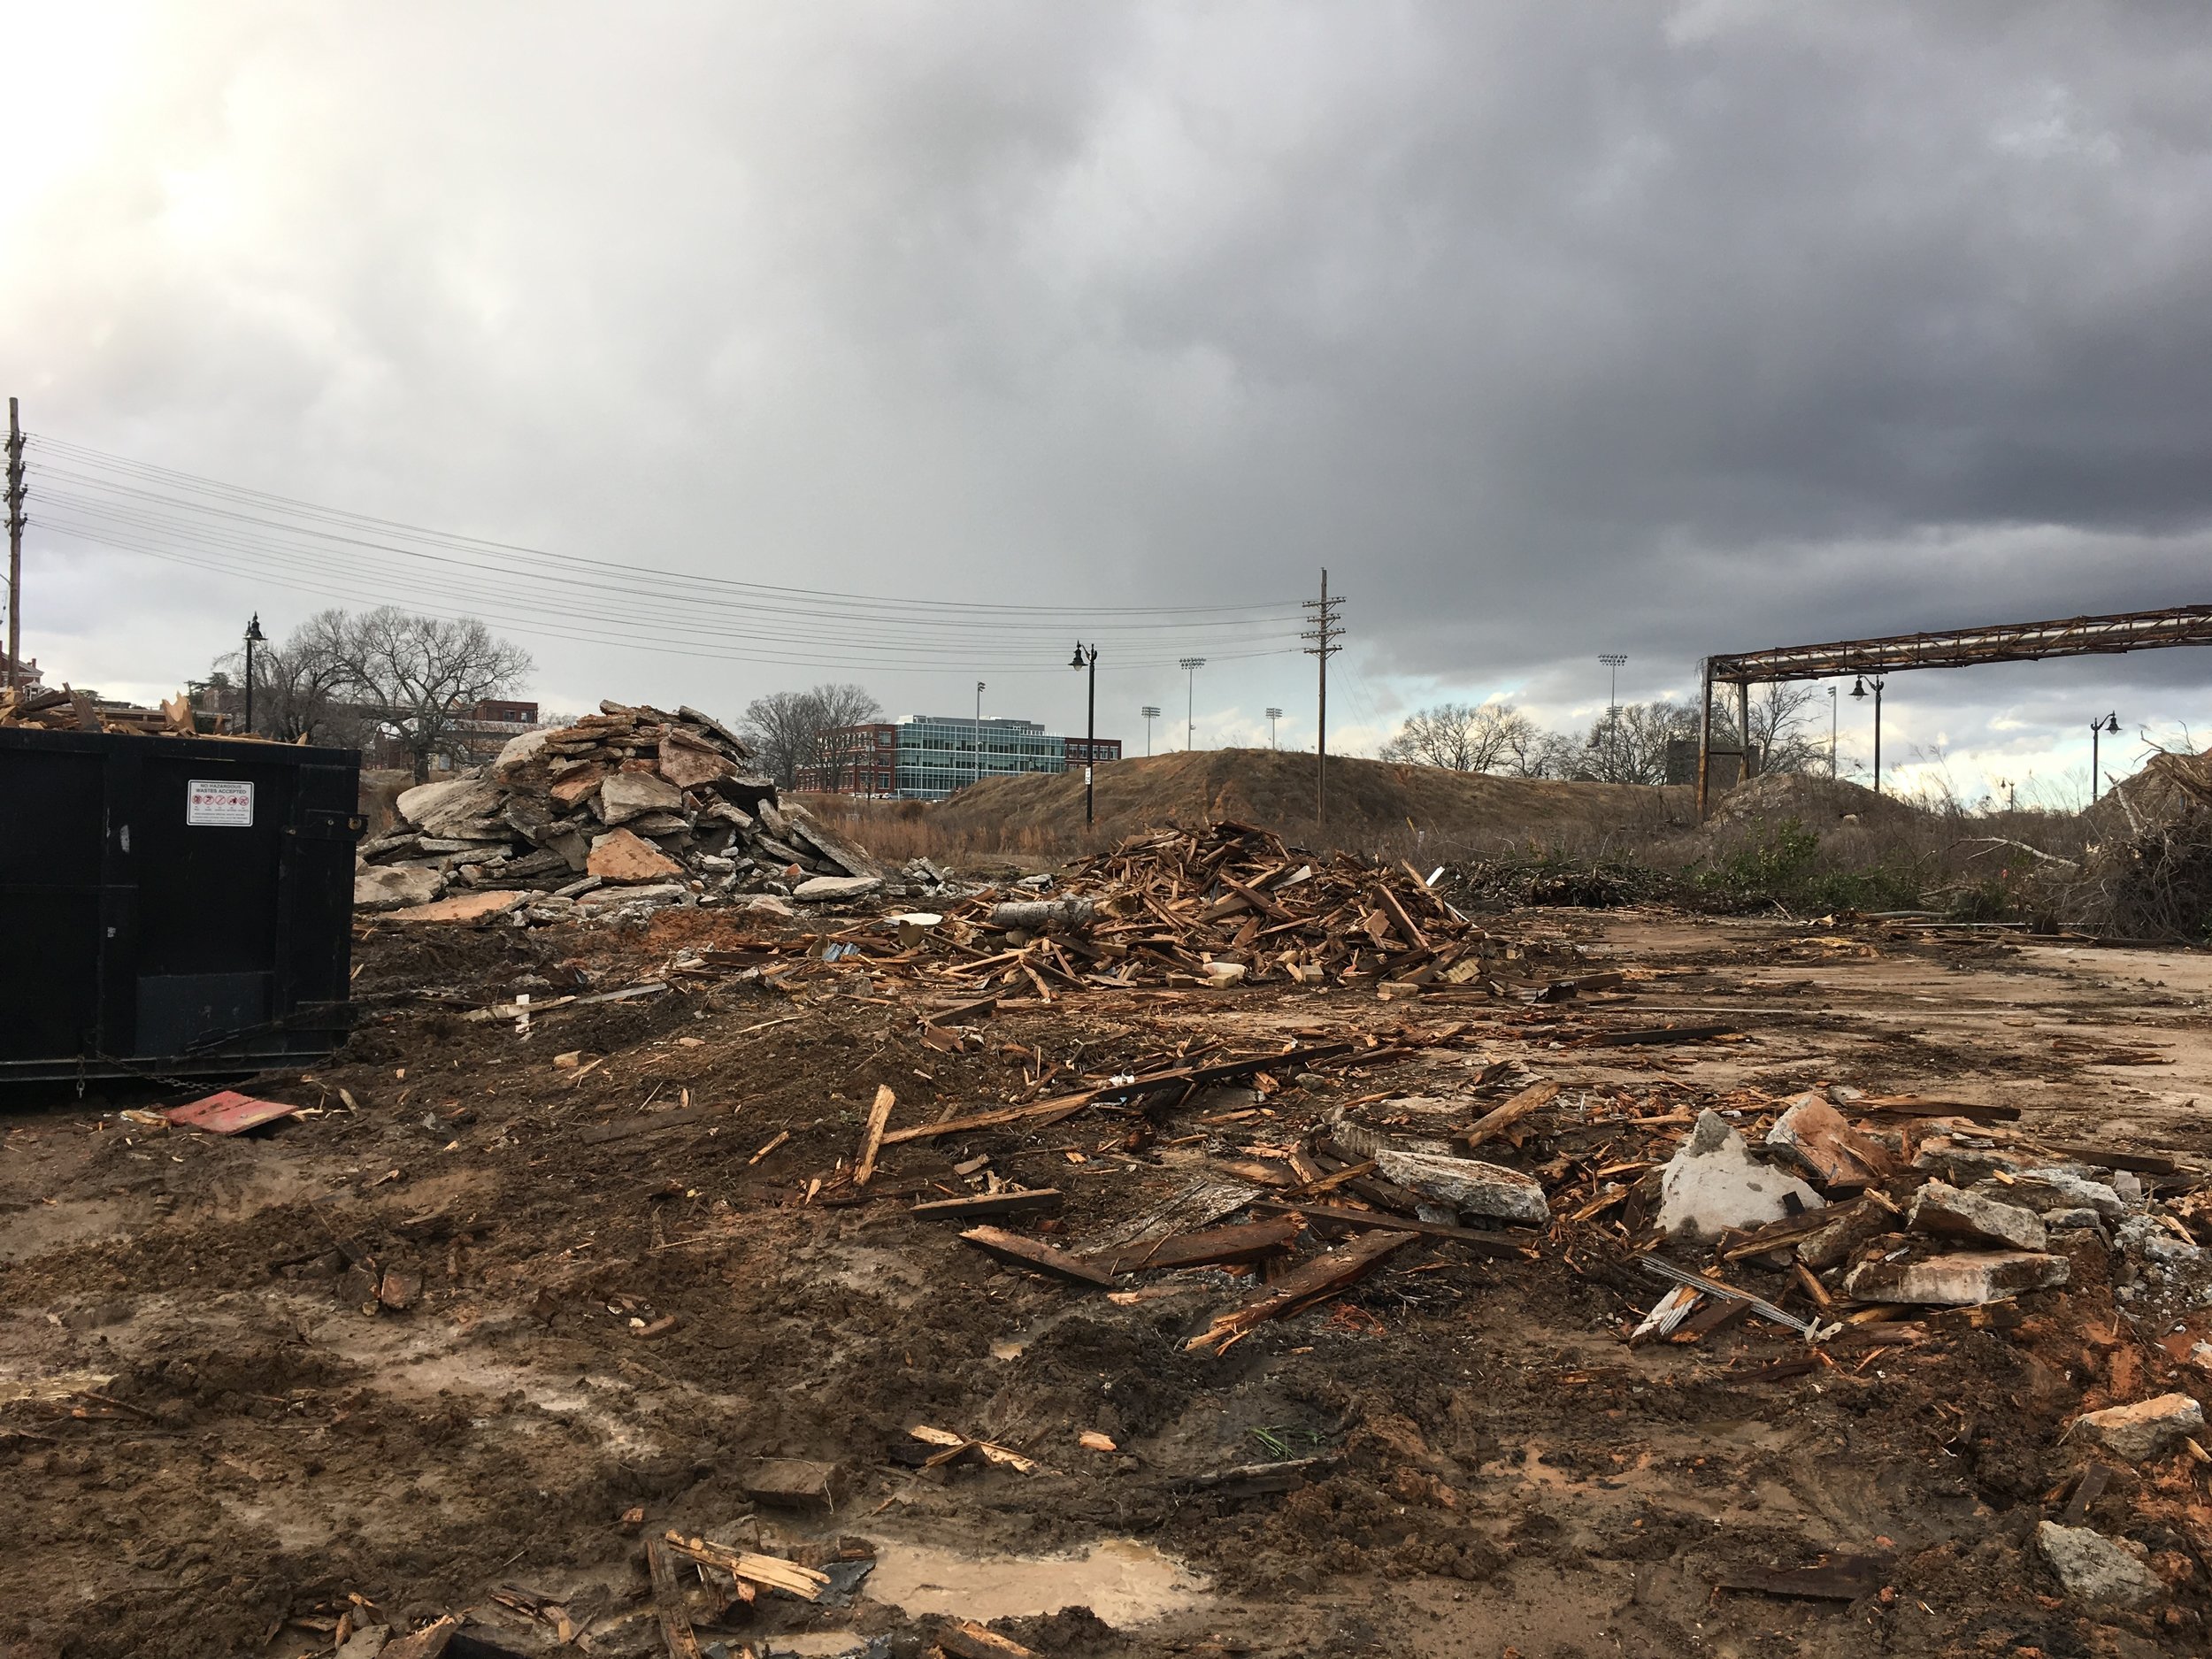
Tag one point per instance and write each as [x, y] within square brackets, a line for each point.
[229, 1112]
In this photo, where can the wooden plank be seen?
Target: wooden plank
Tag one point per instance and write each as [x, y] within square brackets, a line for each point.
[879, 1116]
[676, 1632]
[1322, 1215]
[1916, 1106]
[1005, 1203]
[2103, 1158]
[1311, 1281]
[967, 1640]
[2088, 1490]
[1844, 1579]
[773, 1571]
[1221, 1247]
[1017, 1251]
[600, 1134]
[1504, 1117]
[1066, 1105]
[1652, 1036]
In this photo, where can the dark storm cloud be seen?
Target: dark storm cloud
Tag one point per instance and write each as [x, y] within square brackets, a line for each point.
[1550, 328]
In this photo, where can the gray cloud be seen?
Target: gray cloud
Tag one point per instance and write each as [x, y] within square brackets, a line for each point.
[1549, 329]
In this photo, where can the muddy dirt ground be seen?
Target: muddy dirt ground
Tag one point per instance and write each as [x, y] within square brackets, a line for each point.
[214, 1440]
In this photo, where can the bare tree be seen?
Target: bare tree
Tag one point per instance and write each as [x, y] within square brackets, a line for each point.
[1782, 730]
[419, 677]
[786, 728]
[299, 688]
[1629, 744]
[1463, 737]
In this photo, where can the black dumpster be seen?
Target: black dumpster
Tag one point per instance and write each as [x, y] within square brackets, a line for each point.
[172, 905]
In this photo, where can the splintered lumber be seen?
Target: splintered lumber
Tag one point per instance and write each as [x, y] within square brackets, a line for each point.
[1506, 1116]
[1222, 1246]
[1777, 1236]
[676, 1632]
[771, 1572]
[967, 1640]
[1844, 1579]
[1323, 1217]
[953, 1444]
[1256, 1480]
[878, 1114]
[1045, 1111]
[1323, 1276]
[1005, 1203]
[1016, 1251]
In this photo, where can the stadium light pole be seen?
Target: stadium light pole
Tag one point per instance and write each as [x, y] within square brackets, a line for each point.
[1614, 662]
[1190, 666]
[1273, 715]
[2110, 723]
[1087, 657]
[1151, 712]
[1832, 706]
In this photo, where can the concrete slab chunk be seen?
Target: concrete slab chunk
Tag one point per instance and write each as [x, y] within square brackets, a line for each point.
[1712, 1184]
[2148, 1429]
[2094, 1569]
[1817, 1139]
[2044, 1190]
[629, 795]
[464, 907]
[1956, 1281]
[1469, 1184]
[390, 887]
[618, 855]
[1941, 1209]
[828, 890]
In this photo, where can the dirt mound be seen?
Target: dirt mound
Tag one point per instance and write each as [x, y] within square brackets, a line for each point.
[1815, 803]
[1369, 801]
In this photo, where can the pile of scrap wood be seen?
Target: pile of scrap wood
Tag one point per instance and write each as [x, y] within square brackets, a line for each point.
[628, 809]
[61, 708]
[1225, 905]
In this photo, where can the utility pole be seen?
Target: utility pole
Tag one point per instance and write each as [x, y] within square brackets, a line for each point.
[1089, 656]
[1273, 715]
[1151, 712]
[1327, 628]
[1190, 666]
[15, 544]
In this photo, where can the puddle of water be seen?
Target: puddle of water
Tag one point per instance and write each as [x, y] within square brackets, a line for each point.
[1121, 1580]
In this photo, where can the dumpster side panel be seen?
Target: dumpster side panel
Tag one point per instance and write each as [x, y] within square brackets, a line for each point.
[193, 899]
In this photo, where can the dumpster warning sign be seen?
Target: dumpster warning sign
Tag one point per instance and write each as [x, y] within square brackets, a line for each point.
[209, 801]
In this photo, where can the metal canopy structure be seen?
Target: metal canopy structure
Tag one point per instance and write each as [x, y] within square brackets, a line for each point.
[1953, 647]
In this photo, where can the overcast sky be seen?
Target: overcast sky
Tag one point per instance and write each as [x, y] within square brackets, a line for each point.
[1549, 328]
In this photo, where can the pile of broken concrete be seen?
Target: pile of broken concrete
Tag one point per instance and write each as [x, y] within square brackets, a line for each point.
[625, 811]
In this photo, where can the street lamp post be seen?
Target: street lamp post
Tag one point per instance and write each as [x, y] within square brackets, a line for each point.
[1151, 712]
[976, 732]
[1087, 657]
[1190, 666]
[1858, 689]
[254, 636]
[1273, 715]
[2110, 723]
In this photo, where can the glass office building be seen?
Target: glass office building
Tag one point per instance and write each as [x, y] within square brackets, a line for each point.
[927, 756]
